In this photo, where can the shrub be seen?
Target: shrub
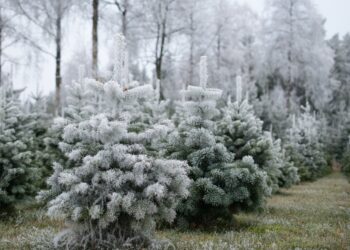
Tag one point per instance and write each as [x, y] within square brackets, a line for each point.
[305, 147]
[109, 191]
[242, 134]
[220, 184]
[17, 175]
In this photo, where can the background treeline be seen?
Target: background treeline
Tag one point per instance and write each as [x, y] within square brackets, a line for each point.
[283, 56]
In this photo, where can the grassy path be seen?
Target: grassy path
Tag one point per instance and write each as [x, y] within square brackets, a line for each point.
[308, 216]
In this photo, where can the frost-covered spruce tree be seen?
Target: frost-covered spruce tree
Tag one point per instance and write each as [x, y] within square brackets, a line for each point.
[159, 109]
[112, 194]
[220, 184]
[81, 102]
[115, 194]
[82, 98]
[304, 146]
[17, 175]
[289, 173]
[242, 133]
[149, 112]
[179, 108]
[39, 122]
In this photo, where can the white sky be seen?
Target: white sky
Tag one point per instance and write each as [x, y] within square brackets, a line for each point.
[336, 12]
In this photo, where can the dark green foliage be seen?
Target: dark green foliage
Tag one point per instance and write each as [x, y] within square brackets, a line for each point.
[241, 132]
[221, 185]
[305, 147]
[39, 123]
[310, 159]
[17, 173]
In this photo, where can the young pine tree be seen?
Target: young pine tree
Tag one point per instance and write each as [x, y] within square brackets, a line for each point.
[289, 173]
[17, 174]
[242, 133]
[110, 191]
[304, 146]
[39, 124]
[220, 185]
[80, 103]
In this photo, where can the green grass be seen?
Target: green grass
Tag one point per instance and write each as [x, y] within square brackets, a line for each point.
[308, 216]
[19, 232]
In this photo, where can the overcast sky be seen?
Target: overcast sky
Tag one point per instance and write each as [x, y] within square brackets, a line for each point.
[336, 12]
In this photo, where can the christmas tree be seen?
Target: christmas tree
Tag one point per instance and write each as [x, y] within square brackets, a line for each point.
[39, 122]
[289, 173]
[305, 147]
[81, 102]
[242, 133]
[110, 191]
[220, 185]
[17, 174]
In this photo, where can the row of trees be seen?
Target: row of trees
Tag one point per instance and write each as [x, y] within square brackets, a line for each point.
[283, 57]
[123, 162]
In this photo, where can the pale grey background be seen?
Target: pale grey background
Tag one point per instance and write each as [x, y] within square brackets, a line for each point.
[336, 13]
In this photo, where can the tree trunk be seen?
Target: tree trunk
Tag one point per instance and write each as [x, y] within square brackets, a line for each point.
[124, 23]
[159, 63]
[95, 17]
[58, 64]
[218, 48]
[162, 33]
[159, 77]
[123, 9]
[290, 58]
[192, 45]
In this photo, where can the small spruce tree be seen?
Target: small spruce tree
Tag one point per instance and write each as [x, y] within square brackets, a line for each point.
[39, 124]
[304, 146]
[289, 173]
[81, 102]
[114, 194]
[242, 133]
[17, 175]
[220, 185]
[110, 191]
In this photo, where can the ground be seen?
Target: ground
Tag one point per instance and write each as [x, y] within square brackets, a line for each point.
[308, 216]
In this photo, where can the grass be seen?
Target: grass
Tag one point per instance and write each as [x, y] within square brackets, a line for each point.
[18, 233]
[308, 216]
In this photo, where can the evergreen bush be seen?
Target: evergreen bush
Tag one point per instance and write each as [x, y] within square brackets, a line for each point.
[221, 185]
[18, 177]
[305, 148]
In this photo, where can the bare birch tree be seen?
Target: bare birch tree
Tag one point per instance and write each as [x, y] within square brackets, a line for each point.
[48, 16]
[9, 35]
[160, 25]
[95, 20]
